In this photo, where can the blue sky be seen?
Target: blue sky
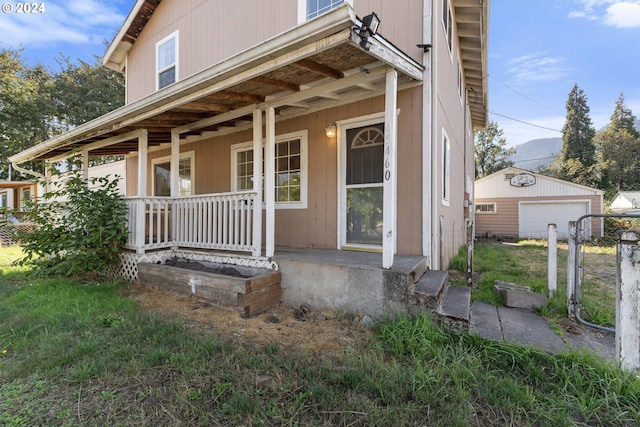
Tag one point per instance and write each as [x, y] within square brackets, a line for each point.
[538, 49]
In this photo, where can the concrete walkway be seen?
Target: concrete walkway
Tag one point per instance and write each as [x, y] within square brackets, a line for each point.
[528, 328]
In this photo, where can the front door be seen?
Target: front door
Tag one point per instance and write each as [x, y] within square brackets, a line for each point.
[363, 186]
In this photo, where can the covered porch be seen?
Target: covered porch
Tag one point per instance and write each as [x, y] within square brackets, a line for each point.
[325, 63]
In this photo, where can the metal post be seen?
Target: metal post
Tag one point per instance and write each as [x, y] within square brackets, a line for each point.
[628, 301]
[552, 262]
[470, 243]
[571, 272]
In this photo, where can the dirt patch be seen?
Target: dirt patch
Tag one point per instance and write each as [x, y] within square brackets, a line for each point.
[198, 266]
[314, 333]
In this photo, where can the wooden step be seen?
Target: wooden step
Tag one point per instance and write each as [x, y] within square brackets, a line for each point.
[455, 308]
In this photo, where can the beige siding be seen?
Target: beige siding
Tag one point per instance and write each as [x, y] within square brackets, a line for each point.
[316, 226]
[506, 219]
[209, 32]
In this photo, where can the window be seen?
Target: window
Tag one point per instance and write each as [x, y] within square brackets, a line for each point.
[446, 168]
[290, 169]
[485, 208]
[460, 80]
[309, 9]
[166, 61]
[162, 176]
[447, 21]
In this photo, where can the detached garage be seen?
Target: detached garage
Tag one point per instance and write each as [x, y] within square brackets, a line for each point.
[518, 203]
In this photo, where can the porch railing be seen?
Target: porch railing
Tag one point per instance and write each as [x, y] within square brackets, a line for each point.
[215, 221]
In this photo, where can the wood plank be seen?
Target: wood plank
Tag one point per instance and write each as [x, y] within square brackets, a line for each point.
[264, 280]
[261, 300]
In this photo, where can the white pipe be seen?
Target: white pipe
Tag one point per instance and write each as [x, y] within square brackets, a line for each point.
[427, 199]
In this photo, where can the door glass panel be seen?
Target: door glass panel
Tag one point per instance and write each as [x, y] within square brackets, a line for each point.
[364, 215]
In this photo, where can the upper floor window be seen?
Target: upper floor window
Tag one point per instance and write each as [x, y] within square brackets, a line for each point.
[446, 168]
[167, 61]
[447, 22]
[309, 9]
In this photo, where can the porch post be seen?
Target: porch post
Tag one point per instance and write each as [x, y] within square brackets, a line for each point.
[257, 182]
[84, 160]
[175, 164]
[389, 227]
[269, 181]
[140, 226]
[142, 162]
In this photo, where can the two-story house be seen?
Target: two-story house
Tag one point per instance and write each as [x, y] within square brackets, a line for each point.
[265, 128]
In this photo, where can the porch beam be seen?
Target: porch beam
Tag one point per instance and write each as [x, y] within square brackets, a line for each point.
[174, 166]
[269, 180]
[101, 144]
[257, 182]
[390, 195]
[220, 118]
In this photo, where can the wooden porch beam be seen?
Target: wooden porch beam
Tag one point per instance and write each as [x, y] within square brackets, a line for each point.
[316, 67]
[278, 84]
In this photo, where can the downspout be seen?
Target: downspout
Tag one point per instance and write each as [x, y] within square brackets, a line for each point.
[27, 171]
[435, 221]
[427, 147]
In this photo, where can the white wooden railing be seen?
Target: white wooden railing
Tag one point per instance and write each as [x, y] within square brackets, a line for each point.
[214, 221]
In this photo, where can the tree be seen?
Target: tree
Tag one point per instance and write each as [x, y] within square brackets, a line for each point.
[83, 92]
[578, 150]
[491, 153]
[623, 119]
[26, 106]
[619, 151]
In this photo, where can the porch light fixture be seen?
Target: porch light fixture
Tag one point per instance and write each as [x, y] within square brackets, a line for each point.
[369, 28]
[331, 131]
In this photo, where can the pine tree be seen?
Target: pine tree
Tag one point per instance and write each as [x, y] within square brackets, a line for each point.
[578, 150]
[623, 118]
[619, 152]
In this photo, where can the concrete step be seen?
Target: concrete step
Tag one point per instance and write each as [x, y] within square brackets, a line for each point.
[428, 289]
[455, 308]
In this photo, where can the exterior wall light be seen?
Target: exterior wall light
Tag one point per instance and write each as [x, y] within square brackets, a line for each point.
[331, 131]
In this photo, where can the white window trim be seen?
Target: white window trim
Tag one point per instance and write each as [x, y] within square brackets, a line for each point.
[445, 27]
[492, 212]
[304, 167]
[174, 35]
[302, 10]
[445, 159]
[167, 159]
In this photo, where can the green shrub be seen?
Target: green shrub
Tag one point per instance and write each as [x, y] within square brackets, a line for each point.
[80, 227]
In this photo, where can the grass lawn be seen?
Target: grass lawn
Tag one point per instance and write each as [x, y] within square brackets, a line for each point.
[82, 353]
[525, 263]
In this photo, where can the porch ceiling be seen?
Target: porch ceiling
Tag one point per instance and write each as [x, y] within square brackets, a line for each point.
[316, 66]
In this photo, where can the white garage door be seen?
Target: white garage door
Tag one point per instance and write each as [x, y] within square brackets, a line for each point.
[535, 218]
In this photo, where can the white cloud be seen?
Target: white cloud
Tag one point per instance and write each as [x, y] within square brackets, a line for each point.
[624, 14]
[536, 68]
[75, 22]
[615, 13]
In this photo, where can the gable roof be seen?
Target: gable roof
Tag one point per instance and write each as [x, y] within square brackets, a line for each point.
[116, 54]
[487, 187]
